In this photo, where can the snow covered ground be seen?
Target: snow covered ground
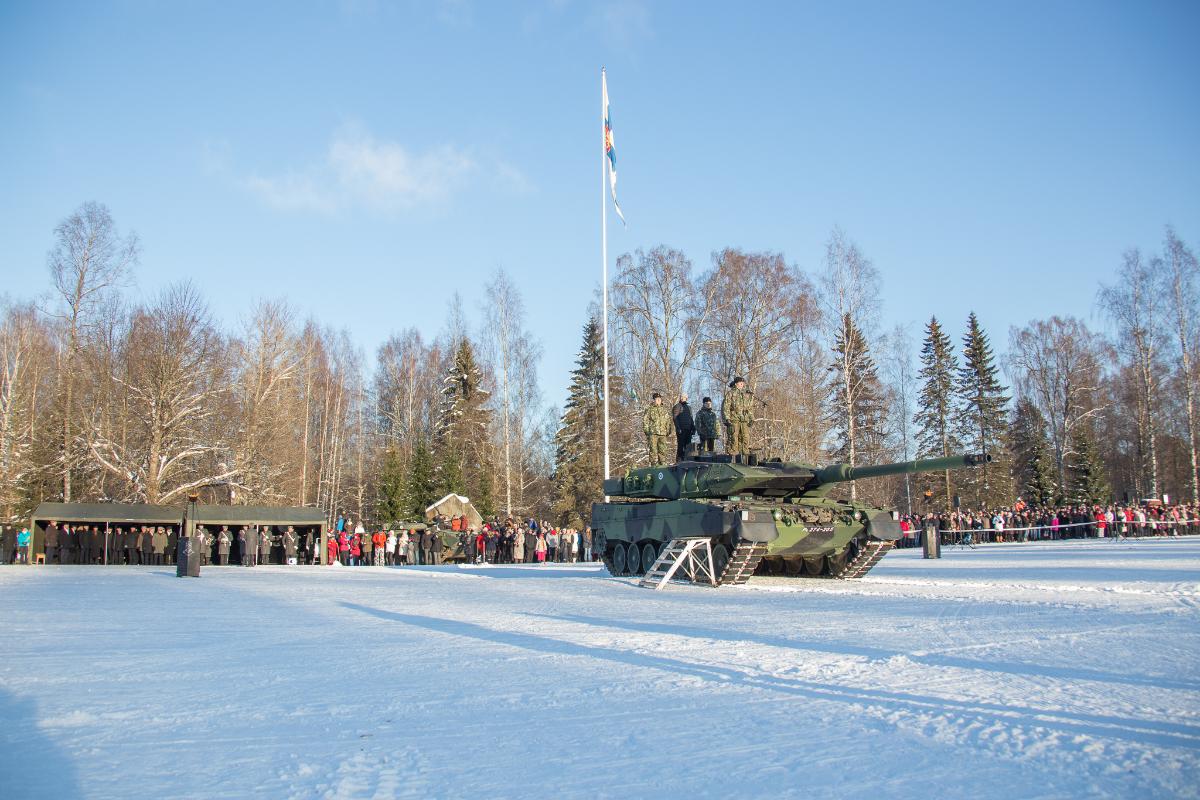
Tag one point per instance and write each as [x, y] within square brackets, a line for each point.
[1013, 671]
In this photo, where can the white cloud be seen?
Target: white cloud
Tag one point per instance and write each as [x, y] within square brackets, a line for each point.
[360, 171]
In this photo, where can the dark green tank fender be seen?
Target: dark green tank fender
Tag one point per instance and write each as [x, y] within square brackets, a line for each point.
[671, 519]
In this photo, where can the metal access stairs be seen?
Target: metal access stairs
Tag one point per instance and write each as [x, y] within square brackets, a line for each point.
[692, 553]
[742, 563]
[867, 558]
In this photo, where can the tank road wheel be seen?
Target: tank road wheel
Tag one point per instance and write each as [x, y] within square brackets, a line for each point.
[618, 559]
[649, 556]
[814, 566]
[837, 563]
[633, 559]
[720, 560]
[793, 566]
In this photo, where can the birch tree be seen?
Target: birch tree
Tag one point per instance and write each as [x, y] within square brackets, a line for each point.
[90, 258]
[1132, 303]
[1057, 365]
[1182, 276]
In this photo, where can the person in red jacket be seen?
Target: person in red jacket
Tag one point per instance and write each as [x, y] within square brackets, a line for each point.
[356, 550]
[380, 541]
[331, 550]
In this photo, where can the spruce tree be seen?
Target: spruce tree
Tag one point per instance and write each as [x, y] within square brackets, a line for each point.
[390, 505]
[1088, 478]
[460, 439]
[856, 409]
[419, 488]
[579, 442]
[1033, 462]
[935, 432]
[981, 418]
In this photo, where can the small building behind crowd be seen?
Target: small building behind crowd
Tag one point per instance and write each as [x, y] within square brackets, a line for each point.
[108, 516]
[455, 505]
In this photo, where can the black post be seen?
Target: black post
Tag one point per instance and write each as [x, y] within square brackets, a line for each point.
[931, 542]
[187, 554]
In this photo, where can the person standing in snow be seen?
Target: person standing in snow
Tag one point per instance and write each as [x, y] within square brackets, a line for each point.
[264, 545]
[223, 542]
[290, 543]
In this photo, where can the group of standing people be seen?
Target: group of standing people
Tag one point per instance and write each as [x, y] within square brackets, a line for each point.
[494, 542]
[151, 545]
[737, 411]
[93, 544]
[1022, 523]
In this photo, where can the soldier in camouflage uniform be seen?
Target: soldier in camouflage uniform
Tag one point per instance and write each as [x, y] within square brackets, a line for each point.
[738, 411]
[657, 425]
[706, 426]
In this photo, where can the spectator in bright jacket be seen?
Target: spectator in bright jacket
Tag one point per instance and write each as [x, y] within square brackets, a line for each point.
[331, 550]
[343, 541]
[23, 546]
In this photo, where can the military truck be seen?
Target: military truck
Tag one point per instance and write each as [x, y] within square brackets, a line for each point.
[769, 517]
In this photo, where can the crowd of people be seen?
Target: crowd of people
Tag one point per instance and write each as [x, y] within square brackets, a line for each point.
[1022, 523]
[456, 539]
[150, 545]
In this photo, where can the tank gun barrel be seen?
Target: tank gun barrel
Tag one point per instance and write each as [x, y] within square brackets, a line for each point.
[841, 473]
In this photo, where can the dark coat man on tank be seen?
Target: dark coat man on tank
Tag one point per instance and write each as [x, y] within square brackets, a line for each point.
[707, 426]
[685, 426]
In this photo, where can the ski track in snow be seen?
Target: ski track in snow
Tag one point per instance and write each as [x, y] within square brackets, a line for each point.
[1060, 669]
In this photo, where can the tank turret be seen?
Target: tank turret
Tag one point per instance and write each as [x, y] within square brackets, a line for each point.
[770, 516]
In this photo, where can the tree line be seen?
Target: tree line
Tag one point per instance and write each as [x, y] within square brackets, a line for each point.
[103, 399]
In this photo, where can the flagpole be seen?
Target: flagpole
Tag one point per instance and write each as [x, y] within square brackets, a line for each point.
[604, 259]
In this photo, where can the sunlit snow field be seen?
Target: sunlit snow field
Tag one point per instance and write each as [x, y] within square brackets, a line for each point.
[1065, 669]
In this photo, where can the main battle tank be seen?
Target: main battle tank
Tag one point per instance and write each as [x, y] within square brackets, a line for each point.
[770, 517]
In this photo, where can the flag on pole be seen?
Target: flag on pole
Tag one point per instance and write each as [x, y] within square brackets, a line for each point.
[609, 150]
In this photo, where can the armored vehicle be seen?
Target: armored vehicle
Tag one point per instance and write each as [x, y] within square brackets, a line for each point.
[770, 517]
[452, 550]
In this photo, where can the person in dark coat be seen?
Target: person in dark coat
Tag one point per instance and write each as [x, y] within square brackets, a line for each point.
[707, 426]
[112, 545]
[427, 537]
[7, 544]
[685, 426]
[290, 543]
[50, 542]
[146, 545]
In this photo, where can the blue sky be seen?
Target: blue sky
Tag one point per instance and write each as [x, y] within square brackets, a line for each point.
[364, 158]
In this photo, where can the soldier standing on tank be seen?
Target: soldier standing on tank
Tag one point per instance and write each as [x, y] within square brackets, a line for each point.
[656, 424]
[738, 410]
[706, 426]
[685, 426]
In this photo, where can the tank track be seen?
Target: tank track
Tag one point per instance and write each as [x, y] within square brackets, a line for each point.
[742, 563]
[868, 556]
